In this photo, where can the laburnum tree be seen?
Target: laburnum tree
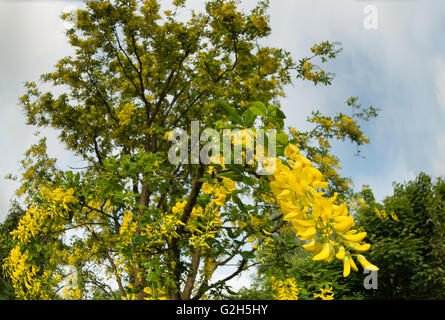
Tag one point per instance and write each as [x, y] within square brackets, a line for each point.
[406, 232]
[131, 224]
[6, 244]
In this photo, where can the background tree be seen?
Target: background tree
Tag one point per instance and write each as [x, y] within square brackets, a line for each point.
[132, 220]
[406, 233]
[6, 244]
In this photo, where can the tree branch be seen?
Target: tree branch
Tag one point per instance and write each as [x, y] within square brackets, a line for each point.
[196, 258]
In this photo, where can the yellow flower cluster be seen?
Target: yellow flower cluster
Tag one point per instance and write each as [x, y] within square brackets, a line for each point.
[207, 229]
[71, 290]
[394, 216]
[165, 227]
[315, 218]
[155, 294]
[24, 275]
[69, 293]
[360, 203]
[125, 113]
[205, 223]
[170, 222]
[318, 49]
[285, 289]
[128, 228]
[33, 221]
[259, 21]
[36, 220]
[20, 271]
[347, 121]
[227, 11]
[383, 215]
[325, 294]
[307, 70]
[348, 125]
[219, 191]
[327, 161]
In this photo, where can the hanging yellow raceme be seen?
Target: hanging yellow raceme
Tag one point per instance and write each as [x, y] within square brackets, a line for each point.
[326, 226]
[285, 289]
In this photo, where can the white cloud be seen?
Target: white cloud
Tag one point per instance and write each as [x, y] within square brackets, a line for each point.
[438, 162]
[439, 66]
[32, 40]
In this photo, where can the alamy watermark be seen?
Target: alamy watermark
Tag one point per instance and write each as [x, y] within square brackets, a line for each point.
[209, 146]
[371, 280]
[371, 20]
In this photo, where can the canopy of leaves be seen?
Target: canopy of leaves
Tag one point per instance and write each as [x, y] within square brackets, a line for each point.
[408, 239]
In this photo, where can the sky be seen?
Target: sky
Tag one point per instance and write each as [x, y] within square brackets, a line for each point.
[398, 67]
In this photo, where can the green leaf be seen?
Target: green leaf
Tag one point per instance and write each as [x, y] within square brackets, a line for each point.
[249, 118]
[279, 123]
[247, 255]
[276, 112]
[239, 203]
[280, 151]
[258, 108]
[238, 168]
[232, 175]
[248, 180]
[282, 139]
[230, 112]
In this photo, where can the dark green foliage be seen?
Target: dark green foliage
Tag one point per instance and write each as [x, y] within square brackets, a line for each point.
[409, 251]
[6, 244]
